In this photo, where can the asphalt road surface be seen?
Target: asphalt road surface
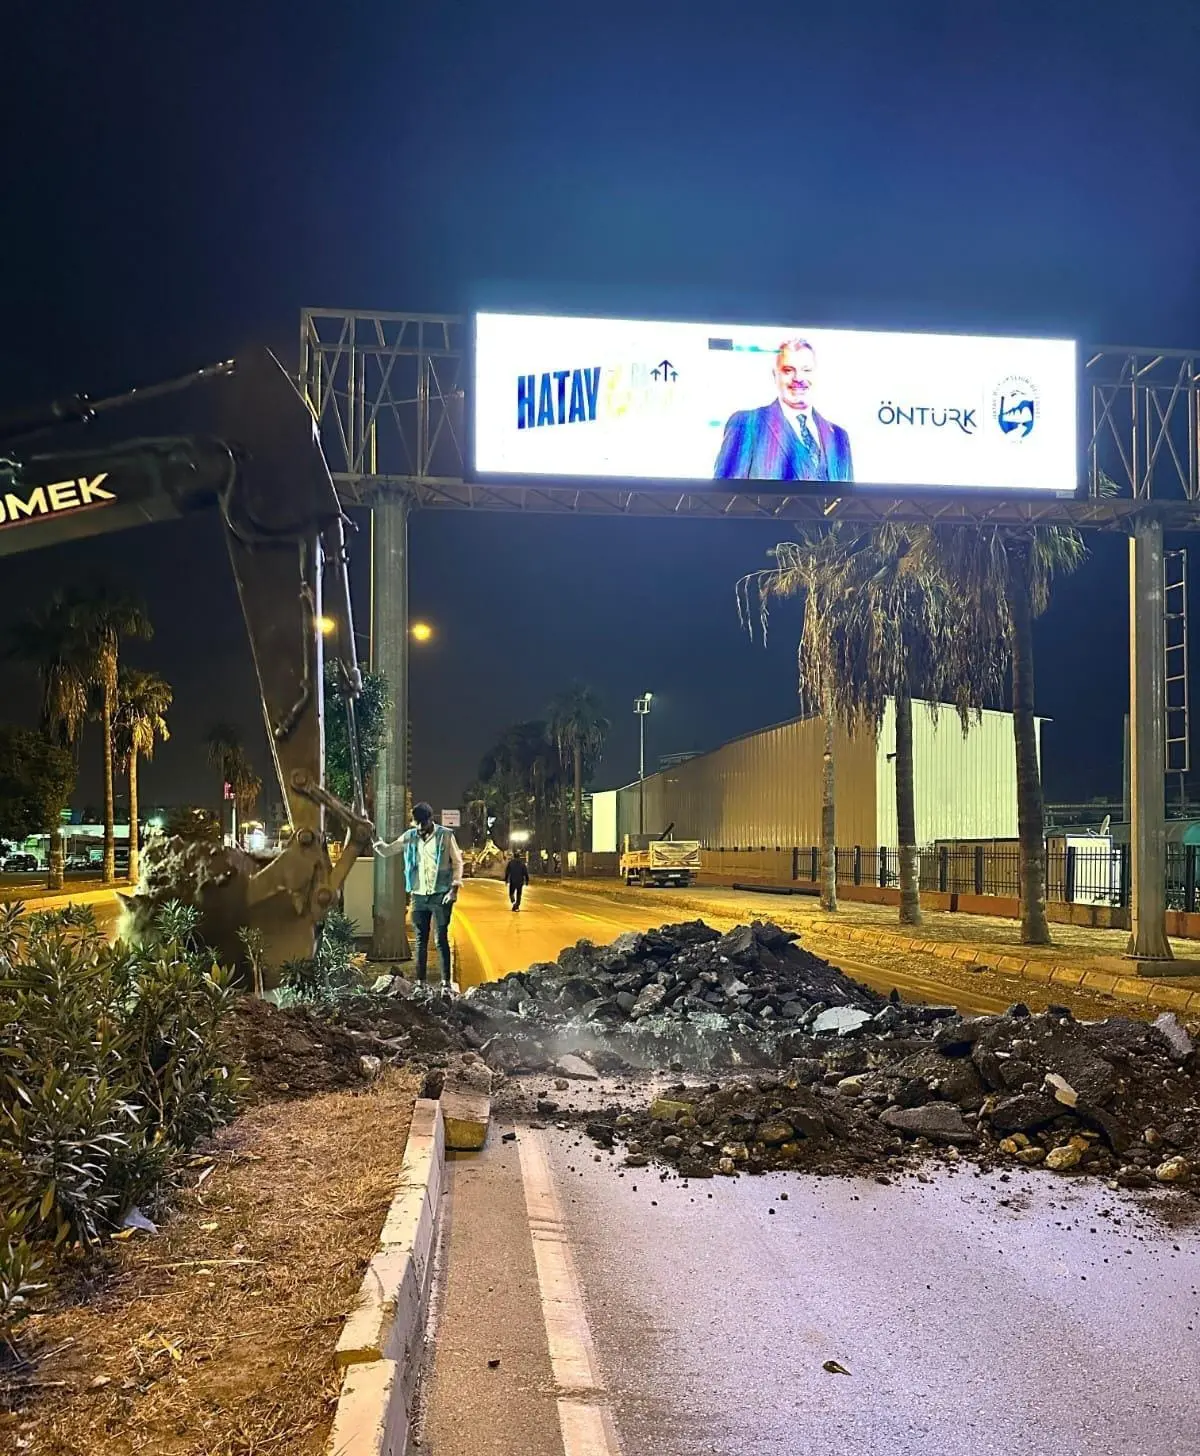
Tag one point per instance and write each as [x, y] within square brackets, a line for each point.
[29, 885]
[490, 940]
[1038, 1317]
[589, 1310]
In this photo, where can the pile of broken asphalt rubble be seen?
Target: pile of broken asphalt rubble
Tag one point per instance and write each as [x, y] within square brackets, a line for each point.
[808, 1069]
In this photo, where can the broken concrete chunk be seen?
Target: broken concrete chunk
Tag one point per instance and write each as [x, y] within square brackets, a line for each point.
[466, 1103]
[1175, 1034]
[776, 1132]
[842, 1019]
[1062, 1160]
[576, 1068]
[940, 1122]
[1061, 1089]
[1024, 1112]
[666, 1109]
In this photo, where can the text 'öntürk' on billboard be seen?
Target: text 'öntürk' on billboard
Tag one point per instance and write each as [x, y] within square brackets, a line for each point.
[617, 399]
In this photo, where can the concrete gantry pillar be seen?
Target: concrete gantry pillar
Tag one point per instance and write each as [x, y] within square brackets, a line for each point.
[389, 656]
[1147, 746]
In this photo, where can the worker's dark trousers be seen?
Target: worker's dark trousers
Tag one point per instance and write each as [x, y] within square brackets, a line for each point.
[424, 909]
[514, 894]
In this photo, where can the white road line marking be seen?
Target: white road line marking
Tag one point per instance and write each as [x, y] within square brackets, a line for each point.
[584, 1416]
[587, 1430]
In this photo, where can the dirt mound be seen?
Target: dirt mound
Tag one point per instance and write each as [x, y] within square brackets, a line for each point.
[1117, 1098]
[682, 993]
[299, 1051]
[293, 1053]
[404, 1025]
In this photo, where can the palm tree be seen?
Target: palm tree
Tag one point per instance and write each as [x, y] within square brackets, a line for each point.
[246, 788]
[225, 752]
[49, 642]
[902, 631]
[828, 821]
[578, 727]
[482, 800]
[885, 625]
[104, 617]
[1004, 574]
[807, 568]
[142, 701]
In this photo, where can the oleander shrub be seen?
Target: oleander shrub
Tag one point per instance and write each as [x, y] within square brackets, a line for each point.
[111, 1064]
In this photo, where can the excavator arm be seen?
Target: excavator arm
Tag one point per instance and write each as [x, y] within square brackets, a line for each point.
[266, 474]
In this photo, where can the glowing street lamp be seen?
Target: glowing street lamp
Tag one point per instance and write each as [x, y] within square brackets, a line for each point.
[421, 632]
[326, 626]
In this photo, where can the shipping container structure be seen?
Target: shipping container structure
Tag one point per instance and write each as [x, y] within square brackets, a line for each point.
[763, 791]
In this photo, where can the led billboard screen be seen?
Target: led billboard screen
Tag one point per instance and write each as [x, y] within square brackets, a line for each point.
[621, 400]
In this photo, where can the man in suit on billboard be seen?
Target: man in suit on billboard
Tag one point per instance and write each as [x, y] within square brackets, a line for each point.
[786, 439]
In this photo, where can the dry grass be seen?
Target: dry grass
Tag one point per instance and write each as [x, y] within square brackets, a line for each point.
[216, 1337]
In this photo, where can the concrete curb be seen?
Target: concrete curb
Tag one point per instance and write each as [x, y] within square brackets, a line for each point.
[1013, 964]
[1032, 968]
[60, 899]
[381, 1341]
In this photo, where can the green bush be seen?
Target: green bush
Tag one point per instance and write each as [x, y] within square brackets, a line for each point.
[328, 977]
[20, 1267]
[111, 1062]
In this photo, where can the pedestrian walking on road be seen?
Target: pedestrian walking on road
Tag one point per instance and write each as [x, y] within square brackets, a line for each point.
[433, 876]
[516, 877]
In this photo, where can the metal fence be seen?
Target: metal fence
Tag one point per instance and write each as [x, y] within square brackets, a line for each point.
[1074, 875]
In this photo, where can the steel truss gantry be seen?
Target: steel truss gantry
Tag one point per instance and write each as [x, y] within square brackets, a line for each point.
[389, 392]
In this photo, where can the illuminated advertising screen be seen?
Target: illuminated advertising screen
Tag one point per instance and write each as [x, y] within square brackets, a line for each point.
[611, 399]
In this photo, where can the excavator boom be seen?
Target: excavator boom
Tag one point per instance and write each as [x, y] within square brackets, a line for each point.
[266, 474]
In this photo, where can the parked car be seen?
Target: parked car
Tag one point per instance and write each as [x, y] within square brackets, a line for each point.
[20, 863]
[80, 862]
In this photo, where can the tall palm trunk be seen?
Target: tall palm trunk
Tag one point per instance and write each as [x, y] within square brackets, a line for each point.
[54, 860]
[828, 824]
[1031, 821]
[134, 836]
[562, 830]
[110, 832]
[578, 807]
[906, 812]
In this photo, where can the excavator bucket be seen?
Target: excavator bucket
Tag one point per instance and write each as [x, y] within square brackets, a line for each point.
[242, 930]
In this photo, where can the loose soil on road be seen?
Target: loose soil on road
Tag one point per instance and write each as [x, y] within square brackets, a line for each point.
[215, 1337]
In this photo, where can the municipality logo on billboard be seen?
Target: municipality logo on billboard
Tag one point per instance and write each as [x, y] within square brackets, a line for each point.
[1016, 406]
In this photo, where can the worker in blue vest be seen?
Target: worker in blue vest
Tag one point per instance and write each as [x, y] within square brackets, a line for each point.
[433, 876]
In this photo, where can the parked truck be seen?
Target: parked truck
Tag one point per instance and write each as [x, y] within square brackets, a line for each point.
[660, 860]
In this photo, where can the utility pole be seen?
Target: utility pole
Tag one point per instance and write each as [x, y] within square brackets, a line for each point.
[389, 656]
[641, 706]
[1148, 731]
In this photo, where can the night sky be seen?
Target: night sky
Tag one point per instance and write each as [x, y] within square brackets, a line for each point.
[178, 184]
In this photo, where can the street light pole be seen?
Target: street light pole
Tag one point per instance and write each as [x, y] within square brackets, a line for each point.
[641, 706]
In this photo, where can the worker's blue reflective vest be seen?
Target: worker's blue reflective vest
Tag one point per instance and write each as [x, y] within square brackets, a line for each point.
[412, 862]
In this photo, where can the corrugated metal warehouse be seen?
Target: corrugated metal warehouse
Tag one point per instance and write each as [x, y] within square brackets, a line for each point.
[764, 790]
